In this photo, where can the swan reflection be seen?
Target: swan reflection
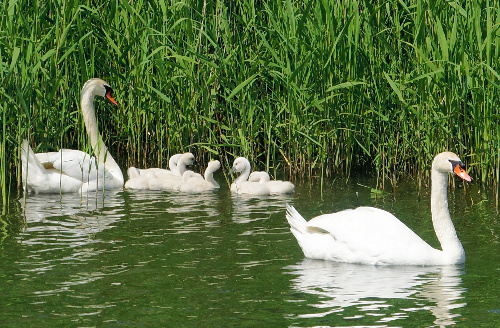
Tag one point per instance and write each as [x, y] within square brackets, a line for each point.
[72, 214]
[61, 232]
[204, 203]
[248, 208]
[370, 289]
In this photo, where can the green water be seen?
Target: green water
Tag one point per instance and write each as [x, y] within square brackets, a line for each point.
[157, 259]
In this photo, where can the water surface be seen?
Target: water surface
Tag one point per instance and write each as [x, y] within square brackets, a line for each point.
[153, 259]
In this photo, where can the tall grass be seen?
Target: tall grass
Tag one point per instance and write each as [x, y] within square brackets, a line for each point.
[303, 88]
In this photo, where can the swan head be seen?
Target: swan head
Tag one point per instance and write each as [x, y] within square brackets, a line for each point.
[213, 165]
[448, 162]
[98, 87]
[240, 164]
[186, 159]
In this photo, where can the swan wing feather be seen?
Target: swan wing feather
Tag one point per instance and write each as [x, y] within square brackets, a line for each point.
[361, 235]
[79, 165]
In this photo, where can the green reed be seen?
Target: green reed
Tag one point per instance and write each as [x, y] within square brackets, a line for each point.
[305, 88]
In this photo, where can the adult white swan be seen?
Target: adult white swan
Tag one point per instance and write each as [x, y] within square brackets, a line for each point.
[241, 185]
[72, 170]
[275, 186]
[192, 183]
[369, 235]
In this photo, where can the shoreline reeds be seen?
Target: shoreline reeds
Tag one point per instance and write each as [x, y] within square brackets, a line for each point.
[303, 88]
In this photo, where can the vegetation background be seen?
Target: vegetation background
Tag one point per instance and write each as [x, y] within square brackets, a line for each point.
[303, 88]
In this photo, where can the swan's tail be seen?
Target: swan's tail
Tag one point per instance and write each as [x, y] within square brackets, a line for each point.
[296, 221]
[31, 166]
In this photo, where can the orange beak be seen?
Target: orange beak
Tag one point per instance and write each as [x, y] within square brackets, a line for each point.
[111, 99]
[461, 173]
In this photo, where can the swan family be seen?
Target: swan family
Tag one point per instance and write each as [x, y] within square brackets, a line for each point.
[365, 235]
[178, 178]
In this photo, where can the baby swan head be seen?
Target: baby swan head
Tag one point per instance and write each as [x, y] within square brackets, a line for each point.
[240, 164]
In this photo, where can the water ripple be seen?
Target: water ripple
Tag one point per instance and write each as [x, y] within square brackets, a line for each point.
[372, 290]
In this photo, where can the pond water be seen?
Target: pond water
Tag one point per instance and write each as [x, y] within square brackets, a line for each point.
[158, 259]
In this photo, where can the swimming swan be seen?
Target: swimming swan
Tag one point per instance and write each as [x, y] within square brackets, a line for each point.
[172, 165]
[275, 186]
[193, 183]
[140, 178]
[71, 170]
[157, 179]
[369, 235]
[241, 185]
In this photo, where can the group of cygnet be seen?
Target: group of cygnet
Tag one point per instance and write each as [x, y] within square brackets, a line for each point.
[179, 178]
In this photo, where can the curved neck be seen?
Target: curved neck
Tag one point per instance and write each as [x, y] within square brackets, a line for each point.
[98, 146]
[209, 176]
[441, 219]
[243, 175]
[182, 165]
[172, 165]
[264, 177]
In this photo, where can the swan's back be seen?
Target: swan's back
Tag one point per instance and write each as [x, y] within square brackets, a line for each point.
[166, 182]
[275, 186]
[280, 187]
[250, 188]
[194, 183]
[362, 235]
[138, 179]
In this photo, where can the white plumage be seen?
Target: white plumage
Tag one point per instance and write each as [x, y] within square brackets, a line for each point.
[373, 236]
[241, 185]
[275, 186]
[71, 170]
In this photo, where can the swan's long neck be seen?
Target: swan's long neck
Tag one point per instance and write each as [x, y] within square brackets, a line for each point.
[209, 176]
[98, 146]
[181, 167]
[172, 165]
[244, 174]
[441, 219]
[264, 177]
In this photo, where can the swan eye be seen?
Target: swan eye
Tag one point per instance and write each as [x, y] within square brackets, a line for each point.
[109, 95]
[460, 164]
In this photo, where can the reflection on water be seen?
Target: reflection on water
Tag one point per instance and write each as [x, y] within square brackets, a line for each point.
[174, 202]
[69, 218]
[186, 213]
[373, 289]
[61, 230]
[140, 258]
[249, 208]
